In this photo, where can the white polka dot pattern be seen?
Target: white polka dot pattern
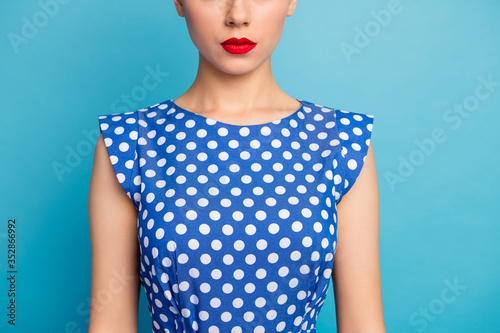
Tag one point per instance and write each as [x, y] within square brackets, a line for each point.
[120, 133]
[355, 131]
[237, 225]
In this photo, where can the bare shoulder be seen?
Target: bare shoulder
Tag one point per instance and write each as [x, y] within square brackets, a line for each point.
[115, 283]
[356, 270]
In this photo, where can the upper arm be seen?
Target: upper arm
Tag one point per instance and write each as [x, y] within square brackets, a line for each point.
[115, 283]
[356, 269]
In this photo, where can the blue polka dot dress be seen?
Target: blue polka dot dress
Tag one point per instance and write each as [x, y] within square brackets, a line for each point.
[237, 224]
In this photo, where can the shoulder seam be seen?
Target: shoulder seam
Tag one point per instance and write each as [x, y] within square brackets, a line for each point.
[136, 160]
[340, 163]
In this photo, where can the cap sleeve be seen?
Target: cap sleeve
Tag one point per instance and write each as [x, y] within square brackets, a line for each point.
[120, 132]
[355, 130]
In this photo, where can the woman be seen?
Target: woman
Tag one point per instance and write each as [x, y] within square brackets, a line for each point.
[228, 203]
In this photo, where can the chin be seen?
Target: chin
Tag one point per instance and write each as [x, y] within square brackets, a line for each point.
[235, 66]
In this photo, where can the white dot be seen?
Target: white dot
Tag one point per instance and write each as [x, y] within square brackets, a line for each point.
[352, 164]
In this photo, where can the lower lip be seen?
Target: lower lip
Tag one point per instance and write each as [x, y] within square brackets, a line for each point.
[238, 49]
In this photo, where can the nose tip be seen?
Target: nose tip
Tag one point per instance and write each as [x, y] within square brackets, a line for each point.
[238, 14]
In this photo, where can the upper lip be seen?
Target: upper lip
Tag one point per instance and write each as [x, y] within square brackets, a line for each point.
[234, 40]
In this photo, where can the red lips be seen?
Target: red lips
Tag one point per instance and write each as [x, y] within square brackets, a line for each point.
[238, 46]
[237, 41]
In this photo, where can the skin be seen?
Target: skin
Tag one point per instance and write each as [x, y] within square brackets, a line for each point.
[114, 251]
[234, 89]
[356, 269]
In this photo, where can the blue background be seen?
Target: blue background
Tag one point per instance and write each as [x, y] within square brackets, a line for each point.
[437, 168]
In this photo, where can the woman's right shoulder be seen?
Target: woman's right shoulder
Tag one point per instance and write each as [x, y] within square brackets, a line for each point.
[118, 140]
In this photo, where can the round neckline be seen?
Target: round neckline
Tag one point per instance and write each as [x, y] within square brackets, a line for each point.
[215, 121]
